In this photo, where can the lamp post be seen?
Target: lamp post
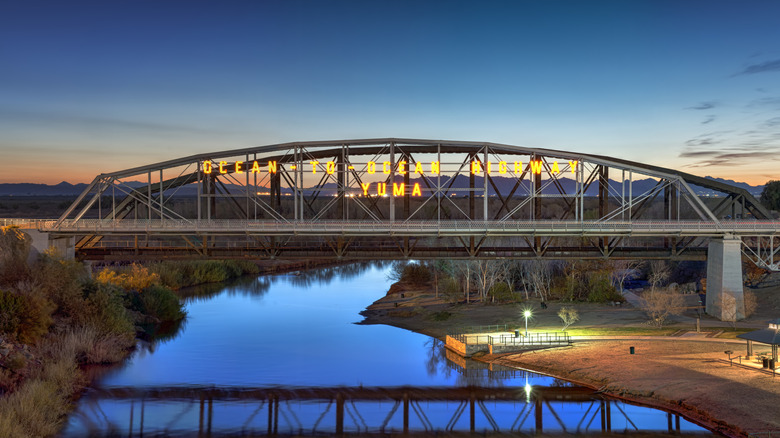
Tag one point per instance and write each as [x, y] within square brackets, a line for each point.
[526, 315]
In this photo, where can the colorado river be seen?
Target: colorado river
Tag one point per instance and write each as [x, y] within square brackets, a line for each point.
[292, 340]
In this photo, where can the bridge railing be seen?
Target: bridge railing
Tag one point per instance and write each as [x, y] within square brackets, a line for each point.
[433, 226]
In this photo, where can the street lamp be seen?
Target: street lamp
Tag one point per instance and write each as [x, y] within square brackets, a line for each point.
[526, 315]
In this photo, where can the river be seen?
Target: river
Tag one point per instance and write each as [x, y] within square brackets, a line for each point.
[282, 354]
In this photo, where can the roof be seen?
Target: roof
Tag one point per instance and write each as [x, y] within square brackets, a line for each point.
[764, 336]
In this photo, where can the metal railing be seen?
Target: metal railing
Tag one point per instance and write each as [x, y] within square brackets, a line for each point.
[358, 227]
[533, 339]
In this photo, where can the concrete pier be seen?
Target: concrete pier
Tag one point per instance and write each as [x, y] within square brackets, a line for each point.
[725, 298]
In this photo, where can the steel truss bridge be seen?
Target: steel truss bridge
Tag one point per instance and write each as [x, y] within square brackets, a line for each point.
[408, 199]
[362, 411]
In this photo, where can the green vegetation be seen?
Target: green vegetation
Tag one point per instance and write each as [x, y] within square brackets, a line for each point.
[55, 318]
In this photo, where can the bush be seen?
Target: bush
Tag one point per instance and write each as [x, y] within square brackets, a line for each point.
[157, 301]
[416, 274]
[25, 317]
[502, 293]
[137, 277]
[601, 289]
[105, 310]
[61, 281]
[450, 288]
[14, 249]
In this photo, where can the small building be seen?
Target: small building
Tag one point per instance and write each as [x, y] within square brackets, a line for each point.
[768, 336]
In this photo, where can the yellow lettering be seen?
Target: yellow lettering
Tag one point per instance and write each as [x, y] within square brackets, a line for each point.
[330, 167]
[207, 165]
[256, 166]
[371, 167]
[238, 167]
[386, 167]
[435, 167]
[518, 167]
[476, 167]
[536, 166]
[402, 167]
[271, 167]
[418, 168]
[555, 168]
[222, 165]
[573, 165]
[365, 188]
[502, 167]
[314, 166]
[416, 190]
[381, 189]
[398, 190]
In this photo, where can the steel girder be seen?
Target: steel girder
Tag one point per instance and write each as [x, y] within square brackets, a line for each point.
[440, 181]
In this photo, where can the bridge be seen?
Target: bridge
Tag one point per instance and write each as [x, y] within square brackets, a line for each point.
[417, 199]
[362, 411]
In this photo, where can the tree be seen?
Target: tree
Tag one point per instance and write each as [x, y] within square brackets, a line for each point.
[623, 270]
[731, 312]
[659, 273]
[661, 304]
[569, 316]
[770, 196]
[753, 273]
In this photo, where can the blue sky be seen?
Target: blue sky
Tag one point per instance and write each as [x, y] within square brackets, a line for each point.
[91, 87]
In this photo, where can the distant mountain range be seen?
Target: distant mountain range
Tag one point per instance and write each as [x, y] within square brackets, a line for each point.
[462, 181]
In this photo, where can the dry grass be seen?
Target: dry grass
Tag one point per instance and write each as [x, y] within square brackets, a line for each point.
[39, 406]
[87, 345]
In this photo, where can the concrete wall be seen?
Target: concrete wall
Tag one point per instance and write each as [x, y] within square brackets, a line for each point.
[724, 277]
[463, 349]
[63, 246]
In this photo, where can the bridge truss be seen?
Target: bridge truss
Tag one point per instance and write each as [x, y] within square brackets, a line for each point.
[402, 198]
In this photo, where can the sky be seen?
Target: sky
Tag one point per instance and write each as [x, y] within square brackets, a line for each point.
[94, 87]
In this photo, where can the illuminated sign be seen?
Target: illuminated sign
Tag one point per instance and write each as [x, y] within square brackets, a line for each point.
[386, 167]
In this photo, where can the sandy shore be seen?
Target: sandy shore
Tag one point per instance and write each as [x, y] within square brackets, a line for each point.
[683, 373]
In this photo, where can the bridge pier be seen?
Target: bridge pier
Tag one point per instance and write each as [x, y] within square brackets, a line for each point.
[65, 247]
[725, 298]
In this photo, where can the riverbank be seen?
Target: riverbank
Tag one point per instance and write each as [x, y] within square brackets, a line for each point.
[677, 370]
[57, 318]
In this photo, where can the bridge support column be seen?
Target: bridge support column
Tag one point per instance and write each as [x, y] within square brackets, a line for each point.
[41, 242]
[725, 299]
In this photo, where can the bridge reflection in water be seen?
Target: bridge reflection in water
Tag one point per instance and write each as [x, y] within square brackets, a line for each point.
[232, 411]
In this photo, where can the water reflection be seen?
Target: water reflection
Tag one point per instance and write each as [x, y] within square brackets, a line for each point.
[295, 334]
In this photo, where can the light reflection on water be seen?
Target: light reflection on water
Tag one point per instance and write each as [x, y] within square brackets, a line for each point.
[298, 331]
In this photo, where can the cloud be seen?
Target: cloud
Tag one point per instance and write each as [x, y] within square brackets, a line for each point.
[709, 119]
[703, 140]
[703, 106]
[92, 122]
[768, 66]
[764, 102]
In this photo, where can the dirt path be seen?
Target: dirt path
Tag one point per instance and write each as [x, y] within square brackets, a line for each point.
[692, 378]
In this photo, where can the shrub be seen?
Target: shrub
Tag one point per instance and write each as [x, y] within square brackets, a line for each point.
[25, 317]
[415, 273]
[105, 310]
[61, 281]
[137, 277]
[502, 293]
[441, 316]
[450, 288]
[601, 289]
[157, 301]
[14, 249]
